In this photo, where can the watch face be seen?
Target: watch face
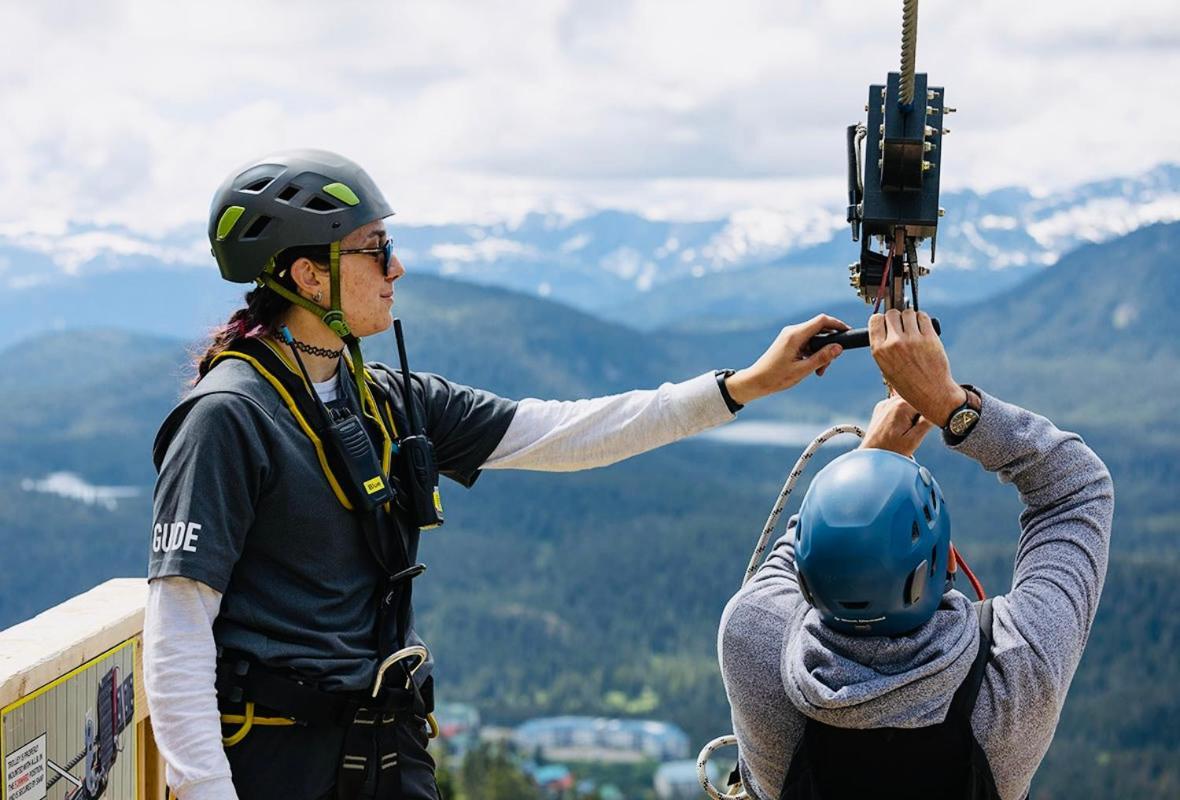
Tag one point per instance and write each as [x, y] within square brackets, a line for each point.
[963, 421]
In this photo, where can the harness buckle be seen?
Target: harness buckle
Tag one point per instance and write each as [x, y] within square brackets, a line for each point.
[407, 574]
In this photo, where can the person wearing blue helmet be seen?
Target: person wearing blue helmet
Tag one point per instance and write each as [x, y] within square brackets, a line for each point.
[852, 665]
[899, 533]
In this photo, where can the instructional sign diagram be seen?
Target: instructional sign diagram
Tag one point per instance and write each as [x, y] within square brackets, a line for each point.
[69, 740]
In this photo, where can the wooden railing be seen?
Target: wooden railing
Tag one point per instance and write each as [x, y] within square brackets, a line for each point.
[72, 706]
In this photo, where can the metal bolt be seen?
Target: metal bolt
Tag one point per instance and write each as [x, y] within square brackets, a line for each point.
[945, 131]
[931, 94]
[866, 108]
[926, 166]
[931, 111]
[928, 146]
[881, 130]
[930, 131]
[923, 271]
[941, 212]
[949, 110]
[880, 163]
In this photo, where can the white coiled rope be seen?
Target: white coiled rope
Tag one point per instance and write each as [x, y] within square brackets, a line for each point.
[776, 511]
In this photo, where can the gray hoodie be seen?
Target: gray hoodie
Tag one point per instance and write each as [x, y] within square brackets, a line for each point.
[780, 665]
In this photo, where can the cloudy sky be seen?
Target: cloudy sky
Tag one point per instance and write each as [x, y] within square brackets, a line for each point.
[132, 112]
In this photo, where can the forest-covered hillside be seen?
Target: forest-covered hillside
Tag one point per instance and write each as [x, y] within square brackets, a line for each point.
[600, 592]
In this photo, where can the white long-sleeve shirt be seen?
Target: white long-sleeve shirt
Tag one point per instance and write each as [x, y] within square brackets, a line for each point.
[180, 655]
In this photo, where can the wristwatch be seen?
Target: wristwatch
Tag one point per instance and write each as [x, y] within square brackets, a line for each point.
[964, 418]
[733, 405]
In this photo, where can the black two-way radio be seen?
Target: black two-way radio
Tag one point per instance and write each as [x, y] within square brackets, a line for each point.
[419, 472]
[345, 435]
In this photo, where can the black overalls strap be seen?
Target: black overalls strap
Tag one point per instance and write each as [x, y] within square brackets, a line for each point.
[942, 760]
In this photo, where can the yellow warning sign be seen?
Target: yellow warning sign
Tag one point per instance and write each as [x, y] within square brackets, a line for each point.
[73, 739]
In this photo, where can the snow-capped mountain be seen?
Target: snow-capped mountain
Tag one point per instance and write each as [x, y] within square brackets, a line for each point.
[755, 264]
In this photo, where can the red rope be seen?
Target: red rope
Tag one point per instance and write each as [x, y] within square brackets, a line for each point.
[884, 274]
[959, 561]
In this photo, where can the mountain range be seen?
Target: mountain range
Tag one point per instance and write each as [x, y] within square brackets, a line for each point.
[751, 267]
[599, 592]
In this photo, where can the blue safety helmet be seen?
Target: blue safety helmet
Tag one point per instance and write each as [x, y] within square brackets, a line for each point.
[872, 544]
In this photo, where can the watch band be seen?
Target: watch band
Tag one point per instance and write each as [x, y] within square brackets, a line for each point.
[733, 405]
[973, 404]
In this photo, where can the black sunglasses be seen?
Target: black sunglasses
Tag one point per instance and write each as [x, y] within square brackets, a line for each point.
[384, 254]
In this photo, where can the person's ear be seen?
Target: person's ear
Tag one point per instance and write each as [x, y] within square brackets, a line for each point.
[308, 278]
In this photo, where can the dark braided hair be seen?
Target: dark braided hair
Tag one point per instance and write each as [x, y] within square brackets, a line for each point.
[264, 308]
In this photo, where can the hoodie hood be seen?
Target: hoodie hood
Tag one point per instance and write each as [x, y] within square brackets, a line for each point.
[882, 681]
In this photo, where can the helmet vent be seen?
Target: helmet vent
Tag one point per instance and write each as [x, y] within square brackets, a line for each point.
[933, 558]
[914, 533]
[854, 605]
[256, 228]
[290, 191]
[914, 584]
[317, 203]
[258, 185]
[929, 516]
[933, 500]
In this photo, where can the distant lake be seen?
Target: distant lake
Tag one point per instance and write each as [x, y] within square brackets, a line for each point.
[768, 433]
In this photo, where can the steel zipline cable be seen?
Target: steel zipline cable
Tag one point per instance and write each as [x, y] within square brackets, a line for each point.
[909, 50]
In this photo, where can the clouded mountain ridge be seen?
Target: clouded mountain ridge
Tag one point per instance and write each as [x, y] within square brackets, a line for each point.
[755, 264]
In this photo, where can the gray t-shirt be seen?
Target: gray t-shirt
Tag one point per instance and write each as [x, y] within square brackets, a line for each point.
[243, 505]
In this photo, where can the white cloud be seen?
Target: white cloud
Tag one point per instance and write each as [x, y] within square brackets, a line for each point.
[485, 250]
[74, 487]
[132, 112]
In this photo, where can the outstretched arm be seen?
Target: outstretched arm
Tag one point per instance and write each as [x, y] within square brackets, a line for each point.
[561, 436]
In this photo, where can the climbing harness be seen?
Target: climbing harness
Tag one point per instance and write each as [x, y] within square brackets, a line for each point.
[373, 720]
[951, 763]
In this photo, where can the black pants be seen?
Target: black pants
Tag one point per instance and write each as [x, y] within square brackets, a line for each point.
[301, 763]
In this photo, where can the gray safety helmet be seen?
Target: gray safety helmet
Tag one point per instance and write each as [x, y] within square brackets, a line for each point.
[292, 199]
[288, 199]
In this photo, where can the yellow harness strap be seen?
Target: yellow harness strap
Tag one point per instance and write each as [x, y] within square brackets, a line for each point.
[248, 721]
[369, 409]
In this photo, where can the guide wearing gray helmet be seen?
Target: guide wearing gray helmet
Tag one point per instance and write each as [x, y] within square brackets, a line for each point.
[843, 680]
[281, 657]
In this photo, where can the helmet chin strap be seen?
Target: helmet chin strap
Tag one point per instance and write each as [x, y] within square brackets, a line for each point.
[333, 317]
